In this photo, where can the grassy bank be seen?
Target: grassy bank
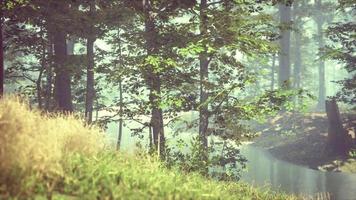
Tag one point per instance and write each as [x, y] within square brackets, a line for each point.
[58, 157]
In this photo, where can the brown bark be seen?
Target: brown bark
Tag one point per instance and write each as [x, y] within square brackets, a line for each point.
[338, 139]
[204, 76]
[2, 68]
[120, 97]
[90, 91]
[49, 77]
[62, 85]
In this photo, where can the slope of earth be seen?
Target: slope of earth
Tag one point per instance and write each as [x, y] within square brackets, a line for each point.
[302, 139]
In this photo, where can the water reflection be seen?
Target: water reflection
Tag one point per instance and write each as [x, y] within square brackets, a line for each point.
[262, 169]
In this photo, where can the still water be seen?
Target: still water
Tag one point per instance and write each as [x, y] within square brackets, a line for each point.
[263, 169]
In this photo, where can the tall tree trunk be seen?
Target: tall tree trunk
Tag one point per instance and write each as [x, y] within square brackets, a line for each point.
[153, 81]
[298, 45]
[204, 78]
[273, 71]
[321, 65]
[49, 76]
[39, 79]
[62, 85]
[2, 68]
[284, 55]
[90, 92]
[120, 120]
[120, 96]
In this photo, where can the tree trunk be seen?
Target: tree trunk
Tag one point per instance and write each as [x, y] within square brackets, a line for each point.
[90, 91]
[284, 55]
[39, 79]
[62, 85]
[298, 45]
[153, 81]
[120, 120]
[273, 71]
[321, 65]
[204, 78]
[49, 76]
[120, 96]
[2, 68]
[338, 139]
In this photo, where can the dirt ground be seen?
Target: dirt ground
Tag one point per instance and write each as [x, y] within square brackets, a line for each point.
[302, 139]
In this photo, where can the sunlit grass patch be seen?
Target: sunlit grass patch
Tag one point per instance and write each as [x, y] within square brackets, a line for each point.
[58, 157]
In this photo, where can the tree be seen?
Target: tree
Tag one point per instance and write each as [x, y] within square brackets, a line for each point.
[342, 48]
[320, 38]
[204, 78]
[284, 55]
[90, 91]
[2, 68]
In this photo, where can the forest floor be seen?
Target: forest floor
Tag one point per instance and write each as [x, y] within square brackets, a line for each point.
[302, 139]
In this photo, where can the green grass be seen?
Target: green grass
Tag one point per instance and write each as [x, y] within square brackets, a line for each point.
[59, 157]
[116, 176]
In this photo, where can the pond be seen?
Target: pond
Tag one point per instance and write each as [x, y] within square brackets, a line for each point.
[263, 169]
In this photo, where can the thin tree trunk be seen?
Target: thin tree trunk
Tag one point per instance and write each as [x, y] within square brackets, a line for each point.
[298, 45]
[62, 84]
[2, 68]
[204, 78]
[284, 55]
[321, 65]
[90, 92]
[39, 88]
[273, 71]
[153, 81]
[49, 76]
[120, 120]
[39, 79]
[120, 96]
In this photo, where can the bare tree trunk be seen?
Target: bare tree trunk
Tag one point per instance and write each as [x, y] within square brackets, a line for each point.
[2, 68]
[273, 71]
[298, 45]
[338, 138]
[39, 87]
[90, 91]
[120, 120]
[120, 96]
[204, 78]
[39, 78]
[62, 85]
[321, 68]
[284, 55]
[153, 81]
[49, 76]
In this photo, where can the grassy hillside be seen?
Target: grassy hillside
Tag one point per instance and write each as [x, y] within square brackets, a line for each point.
[58, 157]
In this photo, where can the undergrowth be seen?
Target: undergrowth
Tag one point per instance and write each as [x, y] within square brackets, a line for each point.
[59, 157]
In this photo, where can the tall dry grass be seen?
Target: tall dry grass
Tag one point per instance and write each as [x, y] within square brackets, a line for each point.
[31, 142]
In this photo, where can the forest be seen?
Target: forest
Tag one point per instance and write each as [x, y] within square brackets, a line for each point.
[177, 99]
